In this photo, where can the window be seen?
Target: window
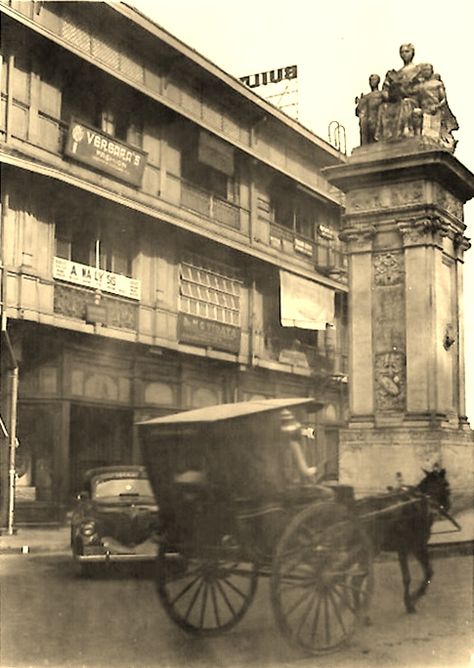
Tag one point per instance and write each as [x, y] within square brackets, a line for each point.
[94, 101]
[82, 106]
[109, 248]
[209, 163]
[209, 290]
[21, 78]
[295, 210]
[312, 224]
[119, 115]
[50, 87]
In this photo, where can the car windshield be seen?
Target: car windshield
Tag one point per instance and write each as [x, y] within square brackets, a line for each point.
[122, 487]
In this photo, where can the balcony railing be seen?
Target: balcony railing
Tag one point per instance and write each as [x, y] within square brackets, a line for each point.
[74, 302]
[326, 255]
[207, 204]
[324, 361]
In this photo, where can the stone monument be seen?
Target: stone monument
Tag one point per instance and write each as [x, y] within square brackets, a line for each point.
[405, 237]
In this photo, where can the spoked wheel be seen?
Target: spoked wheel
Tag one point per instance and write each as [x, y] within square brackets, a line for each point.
[205, 596]
[322, 578]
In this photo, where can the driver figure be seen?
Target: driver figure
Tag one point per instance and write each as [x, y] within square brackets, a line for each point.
[291, 429]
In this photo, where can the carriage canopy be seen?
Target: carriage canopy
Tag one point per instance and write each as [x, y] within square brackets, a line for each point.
[233, 447]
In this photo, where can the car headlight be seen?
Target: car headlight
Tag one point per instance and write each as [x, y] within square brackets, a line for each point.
[88, 528]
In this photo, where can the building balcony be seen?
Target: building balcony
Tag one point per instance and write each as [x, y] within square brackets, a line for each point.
[87, 305]
[209, 205]
[323, 362]
[325, 254]
[85, 299]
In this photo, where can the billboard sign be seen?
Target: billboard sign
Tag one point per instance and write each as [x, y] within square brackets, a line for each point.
[272, 76]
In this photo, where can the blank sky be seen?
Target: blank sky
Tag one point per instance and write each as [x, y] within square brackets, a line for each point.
[337, 44]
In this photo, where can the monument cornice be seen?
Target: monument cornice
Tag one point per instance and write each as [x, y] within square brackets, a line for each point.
[387, 163]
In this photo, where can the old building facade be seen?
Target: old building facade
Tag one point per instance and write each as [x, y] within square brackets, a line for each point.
[159, 225]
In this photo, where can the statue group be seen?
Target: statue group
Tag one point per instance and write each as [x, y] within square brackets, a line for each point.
[412, 103]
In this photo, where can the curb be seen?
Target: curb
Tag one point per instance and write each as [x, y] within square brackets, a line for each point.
[438, 550]
[34, 549]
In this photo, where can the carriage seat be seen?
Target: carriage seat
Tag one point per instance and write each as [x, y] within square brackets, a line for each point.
[307, 493]
[344, 493]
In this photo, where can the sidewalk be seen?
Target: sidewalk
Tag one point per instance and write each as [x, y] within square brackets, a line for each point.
[36, 540]
[56, 539]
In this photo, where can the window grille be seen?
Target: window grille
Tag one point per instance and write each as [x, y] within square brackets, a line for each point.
[209, 290]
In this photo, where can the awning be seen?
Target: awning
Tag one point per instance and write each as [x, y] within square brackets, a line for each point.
[305, 304]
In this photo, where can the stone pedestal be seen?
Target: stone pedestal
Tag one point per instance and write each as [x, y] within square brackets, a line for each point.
[405, 236]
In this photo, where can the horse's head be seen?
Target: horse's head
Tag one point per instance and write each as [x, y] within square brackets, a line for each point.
[436, 486]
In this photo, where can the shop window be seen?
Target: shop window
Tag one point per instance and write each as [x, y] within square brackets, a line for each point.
[209, 290]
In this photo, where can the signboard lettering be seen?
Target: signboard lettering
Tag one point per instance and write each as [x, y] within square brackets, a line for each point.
[272, 76]
[326, 232]
[102, 151]
[303, 247]
[99, 279]
[218, 335]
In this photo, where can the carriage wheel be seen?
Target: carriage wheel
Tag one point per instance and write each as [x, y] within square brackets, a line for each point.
[322, 578]
[205, 596]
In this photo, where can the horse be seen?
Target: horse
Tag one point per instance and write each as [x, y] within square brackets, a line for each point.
[401, 521]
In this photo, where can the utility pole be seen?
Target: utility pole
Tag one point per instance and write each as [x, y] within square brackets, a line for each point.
[12, 438]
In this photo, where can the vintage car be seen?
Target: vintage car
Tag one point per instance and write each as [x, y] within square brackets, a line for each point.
[116, 518]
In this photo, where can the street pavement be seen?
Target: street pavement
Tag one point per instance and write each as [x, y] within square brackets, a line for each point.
[50, 617]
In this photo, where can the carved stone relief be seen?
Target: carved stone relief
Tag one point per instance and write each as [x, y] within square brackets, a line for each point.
[423, 231]
[407, 193]
[461, 244]
[385, 197]
[389, 331]
[390, 380]
[388, 268]
[359, 238]
[449, 202]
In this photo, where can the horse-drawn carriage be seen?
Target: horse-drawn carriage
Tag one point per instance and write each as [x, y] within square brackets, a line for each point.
[232, 509]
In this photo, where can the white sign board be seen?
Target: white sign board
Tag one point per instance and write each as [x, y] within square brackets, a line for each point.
[99, 279]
